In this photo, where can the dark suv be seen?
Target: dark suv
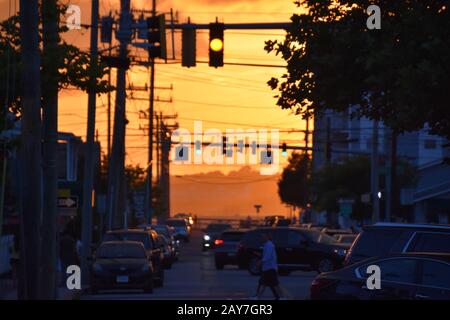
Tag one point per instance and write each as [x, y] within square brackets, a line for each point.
[297, 249]
[385, 238]
[149, 239]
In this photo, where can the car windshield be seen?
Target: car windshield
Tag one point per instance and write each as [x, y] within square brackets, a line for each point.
[217, 227]
[121, 251]
[176, 223]
[142, 237]
[319, 237]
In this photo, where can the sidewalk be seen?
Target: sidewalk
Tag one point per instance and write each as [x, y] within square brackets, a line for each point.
[8, 291]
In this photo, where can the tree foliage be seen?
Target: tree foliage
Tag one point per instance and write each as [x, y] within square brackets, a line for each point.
[398, 74]
[73, 65]
[350, 179]
[293, 186]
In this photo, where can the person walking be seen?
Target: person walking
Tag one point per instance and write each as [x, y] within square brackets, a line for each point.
[269, 268]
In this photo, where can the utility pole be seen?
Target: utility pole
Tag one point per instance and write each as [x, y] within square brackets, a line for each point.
[307, 135]
[328, 142]
[158, 143]
[86, 229]
[116, 198]
[31, 173]
[50, 21]
[148, 193]
[388, 176]
[374, 174]
[108, 144]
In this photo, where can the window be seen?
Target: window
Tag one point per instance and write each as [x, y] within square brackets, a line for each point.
[430, 242]
[130, 236]
[436, 274]
[398, 270]
[377, 242]
[279, 238]
[294, 239]
[430, 144]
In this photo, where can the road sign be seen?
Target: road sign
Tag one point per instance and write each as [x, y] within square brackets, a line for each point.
[69, 202]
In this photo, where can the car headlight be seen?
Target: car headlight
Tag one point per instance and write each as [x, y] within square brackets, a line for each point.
[97, 267]
[206, 237]
[340, 252]
[145, 268]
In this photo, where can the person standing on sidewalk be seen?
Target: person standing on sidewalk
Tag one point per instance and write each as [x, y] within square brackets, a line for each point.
[269, 268]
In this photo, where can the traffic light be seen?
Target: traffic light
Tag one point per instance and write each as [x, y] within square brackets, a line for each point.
[198, 147]
[157, 36]
[216, 44]
[284, 150]
[189, 50]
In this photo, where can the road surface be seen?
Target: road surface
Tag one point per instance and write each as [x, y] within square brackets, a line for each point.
[195, 277]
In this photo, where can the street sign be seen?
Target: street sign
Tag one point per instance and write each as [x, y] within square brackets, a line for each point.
[69, 202]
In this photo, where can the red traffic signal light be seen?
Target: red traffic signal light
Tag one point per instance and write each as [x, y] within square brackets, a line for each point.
[216, 44]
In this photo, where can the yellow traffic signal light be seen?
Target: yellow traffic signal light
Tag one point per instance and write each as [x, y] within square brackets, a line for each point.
[216, 44]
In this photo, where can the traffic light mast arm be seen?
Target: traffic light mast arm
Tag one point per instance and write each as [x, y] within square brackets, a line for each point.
[236, 26]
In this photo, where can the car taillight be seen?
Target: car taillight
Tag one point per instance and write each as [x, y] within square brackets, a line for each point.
[218, 242]
[319, 284]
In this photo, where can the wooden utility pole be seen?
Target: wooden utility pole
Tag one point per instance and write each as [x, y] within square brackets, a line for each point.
[148, 190]
[116, 176]
[374, 178]
[50, 64]
[31, 160]
[88, 178]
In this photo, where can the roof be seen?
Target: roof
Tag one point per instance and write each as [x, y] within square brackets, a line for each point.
[127, 230]
[127, 242]
[410, 225]
[432, 255]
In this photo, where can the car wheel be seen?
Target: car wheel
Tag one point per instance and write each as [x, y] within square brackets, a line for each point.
[325, 265]
[219, 266]
[253, 266]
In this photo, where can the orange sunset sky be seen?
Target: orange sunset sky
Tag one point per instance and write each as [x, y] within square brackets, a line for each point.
[229, 97]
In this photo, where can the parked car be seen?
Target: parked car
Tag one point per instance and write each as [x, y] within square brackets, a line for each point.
[226, 248]
[345, 238]
[211, 233]
[383, 238]
[148, 238]
[408, 276]
[121, 265]
[297, 249]
[181, 230]
[186, 216]
[168, 251]
[270, 221]
[167, 232]
[283, 222]
[334, 232]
